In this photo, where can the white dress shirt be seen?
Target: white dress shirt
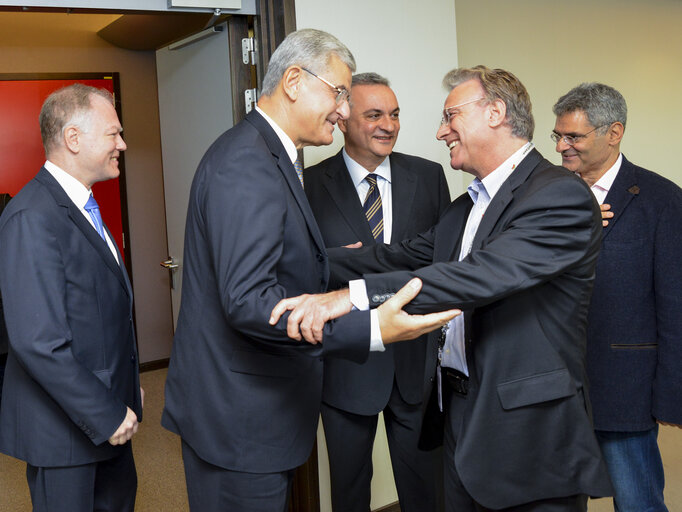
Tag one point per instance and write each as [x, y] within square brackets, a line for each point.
[383, 171]
[79, 195]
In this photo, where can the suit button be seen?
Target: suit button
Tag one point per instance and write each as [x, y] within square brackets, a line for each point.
[375, 298]
[132, 359]
[320, 257]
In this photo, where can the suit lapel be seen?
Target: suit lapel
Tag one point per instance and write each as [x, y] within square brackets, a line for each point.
[622, 191]
[504, 196]
[287, 169]
[100, 246]
[402, 189]
[337, 181]
[455, 219]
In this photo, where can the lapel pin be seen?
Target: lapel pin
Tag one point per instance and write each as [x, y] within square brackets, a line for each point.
[634, 189]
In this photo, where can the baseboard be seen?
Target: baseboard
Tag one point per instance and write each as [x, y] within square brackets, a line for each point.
[154, 365]
[393, 507]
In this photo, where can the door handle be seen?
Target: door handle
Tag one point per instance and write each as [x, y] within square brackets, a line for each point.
[172, 265]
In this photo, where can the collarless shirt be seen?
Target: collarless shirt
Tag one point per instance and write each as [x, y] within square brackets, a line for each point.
[383, 172]
[602, 186]
[79, 195]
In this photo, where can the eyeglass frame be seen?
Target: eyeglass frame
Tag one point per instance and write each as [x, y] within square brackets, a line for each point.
[447, 116]
[570, 140]
[342, 94]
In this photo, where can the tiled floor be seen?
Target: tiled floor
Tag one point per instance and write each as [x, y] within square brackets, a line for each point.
[161, 479]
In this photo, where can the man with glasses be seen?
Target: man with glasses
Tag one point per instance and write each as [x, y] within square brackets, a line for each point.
[634, 330]
[369, 193]
[244, 397]
[517, 254]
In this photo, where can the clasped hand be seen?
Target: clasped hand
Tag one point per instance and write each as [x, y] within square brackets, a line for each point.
[309, 313]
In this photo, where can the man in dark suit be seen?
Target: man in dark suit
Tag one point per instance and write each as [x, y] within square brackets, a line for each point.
[634, 329]
[243, 396]
[72, 397]
[4, 342]
[517, 254]
[413, 194]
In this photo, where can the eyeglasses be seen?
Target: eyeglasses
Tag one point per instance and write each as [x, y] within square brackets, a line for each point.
[342, 94]
[572, 139]
[450, 112]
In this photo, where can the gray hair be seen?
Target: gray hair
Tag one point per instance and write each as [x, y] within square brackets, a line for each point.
[602, 104]
[308, 48]
[370, 79]
[67, 106]
[499, 84]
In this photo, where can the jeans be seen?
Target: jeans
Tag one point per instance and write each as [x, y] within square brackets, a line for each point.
[634, 464]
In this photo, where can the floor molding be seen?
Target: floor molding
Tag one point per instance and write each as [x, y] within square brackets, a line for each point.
[393, 507]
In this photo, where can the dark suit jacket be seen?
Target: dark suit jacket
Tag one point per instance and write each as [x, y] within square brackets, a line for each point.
[72, 365]
[4, 199]
[526, 433]
[419, 195]
[634, 334]
[239, 391]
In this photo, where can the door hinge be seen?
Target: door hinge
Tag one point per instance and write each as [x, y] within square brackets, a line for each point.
[249, 50]
[250, 97]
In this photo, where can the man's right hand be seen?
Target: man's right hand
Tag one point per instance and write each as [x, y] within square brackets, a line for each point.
[126, 430]
[396, 325]
[605, 214]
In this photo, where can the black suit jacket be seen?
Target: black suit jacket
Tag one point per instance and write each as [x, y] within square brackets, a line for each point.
[419, 196]
[634, 330]
[241, 393]
[4, 199]
[72, 365]
[525, 287]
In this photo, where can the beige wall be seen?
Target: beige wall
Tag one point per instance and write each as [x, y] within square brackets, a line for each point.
[61, 43]
[553, 45]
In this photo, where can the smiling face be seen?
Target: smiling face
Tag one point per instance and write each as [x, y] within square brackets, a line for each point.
[100, 143]
[465, 133]
[593, 152]
[319, 110]
[371, 130]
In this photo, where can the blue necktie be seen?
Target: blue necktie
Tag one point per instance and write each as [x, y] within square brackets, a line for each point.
[373, 209]
[93, 209]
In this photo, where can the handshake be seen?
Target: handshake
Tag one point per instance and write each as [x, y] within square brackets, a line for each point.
[309, 313]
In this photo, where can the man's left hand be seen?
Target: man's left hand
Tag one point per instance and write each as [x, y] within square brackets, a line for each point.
[311, 312]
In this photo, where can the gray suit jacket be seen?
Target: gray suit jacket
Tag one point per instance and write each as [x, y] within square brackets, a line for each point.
[525, 287]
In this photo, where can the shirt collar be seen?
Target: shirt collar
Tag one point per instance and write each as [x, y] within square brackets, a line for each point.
[493, 181]
[606, 181]
[286, 141]
[77, 192]
[358, 172]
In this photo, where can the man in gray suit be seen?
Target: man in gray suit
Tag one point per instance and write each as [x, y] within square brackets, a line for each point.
[413, 193]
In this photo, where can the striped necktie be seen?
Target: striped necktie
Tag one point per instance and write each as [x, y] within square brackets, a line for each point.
[298, 166]
[93, 209]
[373, 210]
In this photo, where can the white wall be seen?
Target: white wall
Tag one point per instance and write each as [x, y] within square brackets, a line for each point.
[413, 44]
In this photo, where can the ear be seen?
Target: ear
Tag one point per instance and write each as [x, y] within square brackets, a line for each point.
[291, 82]
[497, 111]
[341, 123]
[615, 133]
[72, 138]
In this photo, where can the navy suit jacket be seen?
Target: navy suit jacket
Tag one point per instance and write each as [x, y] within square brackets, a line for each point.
[419, 196]
[526, 433]
[634, 335]
[72, 366]
[241, 393]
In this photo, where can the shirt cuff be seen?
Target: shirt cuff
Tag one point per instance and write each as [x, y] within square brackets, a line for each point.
[358, 295]
[376, 344]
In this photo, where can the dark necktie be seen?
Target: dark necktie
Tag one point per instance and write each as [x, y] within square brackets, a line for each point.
[93, 209]
[373, 210]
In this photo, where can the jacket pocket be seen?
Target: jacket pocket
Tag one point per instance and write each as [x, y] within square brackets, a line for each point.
[536, 389]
